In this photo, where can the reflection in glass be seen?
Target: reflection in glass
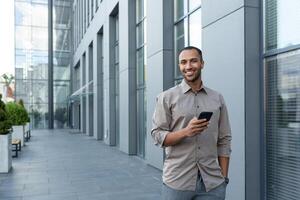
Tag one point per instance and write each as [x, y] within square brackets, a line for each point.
[31, 14]
[181, 40]
[181, 8]
[39, 38]
[187, 29]
[195, 29]
[282, 84]
[139, 10]
[31, 56]
[282, 24]
[140, 35]
[141, 77]
[140, 67]
[61, 60]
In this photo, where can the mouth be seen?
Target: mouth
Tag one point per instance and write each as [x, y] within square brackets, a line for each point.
[189, 73]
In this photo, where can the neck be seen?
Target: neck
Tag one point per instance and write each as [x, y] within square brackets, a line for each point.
[195, 85]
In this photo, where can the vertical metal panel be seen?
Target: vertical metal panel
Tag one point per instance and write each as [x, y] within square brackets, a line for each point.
[50, 64]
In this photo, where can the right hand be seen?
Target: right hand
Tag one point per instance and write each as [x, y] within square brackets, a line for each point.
[196, 126]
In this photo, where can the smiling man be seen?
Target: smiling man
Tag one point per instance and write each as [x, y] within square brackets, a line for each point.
[197, 151]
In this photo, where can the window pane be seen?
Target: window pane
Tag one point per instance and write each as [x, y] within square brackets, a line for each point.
[282, 23]
[195, 29]
[194, 4]
[22, 13]
[140, 35]
[39, 38]
[139, 10]
[60, 91]
[23, 37]
[61, 39]
[39, 15]
[31, 14]
[181, 40]
[140, 67]
[181, 8]
[283, 126]
[61, 16]
[60, 115]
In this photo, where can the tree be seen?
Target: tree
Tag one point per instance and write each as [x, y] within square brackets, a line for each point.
[7, 79]
[5, 123]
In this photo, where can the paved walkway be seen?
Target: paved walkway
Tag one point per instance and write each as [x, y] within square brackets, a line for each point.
[59, 165]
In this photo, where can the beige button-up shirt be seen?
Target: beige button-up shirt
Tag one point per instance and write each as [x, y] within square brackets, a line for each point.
[174, 109]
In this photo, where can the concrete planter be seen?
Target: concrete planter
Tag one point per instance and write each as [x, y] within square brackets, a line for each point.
[5, 153]
[18, 133]
[27, 126]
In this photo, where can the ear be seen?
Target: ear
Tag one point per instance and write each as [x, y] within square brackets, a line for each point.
[202, 64]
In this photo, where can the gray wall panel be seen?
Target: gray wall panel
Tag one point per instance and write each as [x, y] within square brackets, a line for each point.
[252, 3]
[154, 154]
[223, 53]
[254, 170]
[154, 26]
[215, 9]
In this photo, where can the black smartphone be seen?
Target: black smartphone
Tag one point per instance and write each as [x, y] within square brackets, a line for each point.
[205, 115]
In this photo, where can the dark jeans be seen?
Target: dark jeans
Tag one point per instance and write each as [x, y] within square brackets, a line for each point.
[217, 193]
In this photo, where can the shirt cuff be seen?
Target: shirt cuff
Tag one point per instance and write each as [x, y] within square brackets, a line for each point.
[159, 137]
[224, 151]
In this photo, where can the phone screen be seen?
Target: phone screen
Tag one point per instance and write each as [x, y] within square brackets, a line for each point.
[205, 115]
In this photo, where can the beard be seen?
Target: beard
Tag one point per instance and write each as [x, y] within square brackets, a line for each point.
[194, 78]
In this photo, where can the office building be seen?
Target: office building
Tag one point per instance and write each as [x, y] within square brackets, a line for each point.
[124, 53]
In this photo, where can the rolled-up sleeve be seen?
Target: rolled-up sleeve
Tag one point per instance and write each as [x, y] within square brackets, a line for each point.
[224, 137]
[161, 121]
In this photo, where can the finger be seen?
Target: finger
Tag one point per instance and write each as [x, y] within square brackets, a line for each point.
[201, 120]
[200, 125]
[200, 129]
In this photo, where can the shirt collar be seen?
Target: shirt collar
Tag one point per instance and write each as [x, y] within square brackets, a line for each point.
[185, 87]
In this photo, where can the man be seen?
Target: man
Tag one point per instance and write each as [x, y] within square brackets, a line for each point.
[196, 151]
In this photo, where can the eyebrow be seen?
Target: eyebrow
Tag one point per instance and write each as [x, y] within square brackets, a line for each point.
[189, 59]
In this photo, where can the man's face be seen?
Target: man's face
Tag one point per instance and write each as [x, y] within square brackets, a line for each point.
[190, 65]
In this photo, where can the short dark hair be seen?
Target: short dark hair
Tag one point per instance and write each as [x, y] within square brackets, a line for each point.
[192, 48]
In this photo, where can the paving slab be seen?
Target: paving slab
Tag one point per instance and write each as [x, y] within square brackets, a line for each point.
[59, 164]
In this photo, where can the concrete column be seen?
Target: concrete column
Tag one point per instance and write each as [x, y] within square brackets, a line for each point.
[127, 40]
[83, 97]
[160, 62]
[106, 81]
[89, 90]
[98, 86]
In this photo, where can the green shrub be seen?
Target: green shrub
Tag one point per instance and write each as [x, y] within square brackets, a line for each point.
[5, 123]
[16, 113]
[21, 102]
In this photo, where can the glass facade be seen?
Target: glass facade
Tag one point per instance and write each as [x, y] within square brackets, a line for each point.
[282, 99]
[187, 28]
[141, 76]
[62, 52]
[31, 59]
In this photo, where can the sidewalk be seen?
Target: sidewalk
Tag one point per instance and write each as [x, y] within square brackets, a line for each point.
[60, 165]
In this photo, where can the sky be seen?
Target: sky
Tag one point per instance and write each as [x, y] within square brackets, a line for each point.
[6, 36]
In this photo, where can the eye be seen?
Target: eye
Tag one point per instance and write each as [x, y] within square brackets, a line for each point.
[183, 62]
[194, 60]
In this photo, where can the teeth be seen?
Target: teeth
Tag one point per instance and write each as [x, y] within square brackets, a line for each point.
[189, 73]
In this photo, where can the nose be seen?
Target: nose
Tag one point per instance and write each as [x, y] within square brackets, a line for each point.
[188, 65]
